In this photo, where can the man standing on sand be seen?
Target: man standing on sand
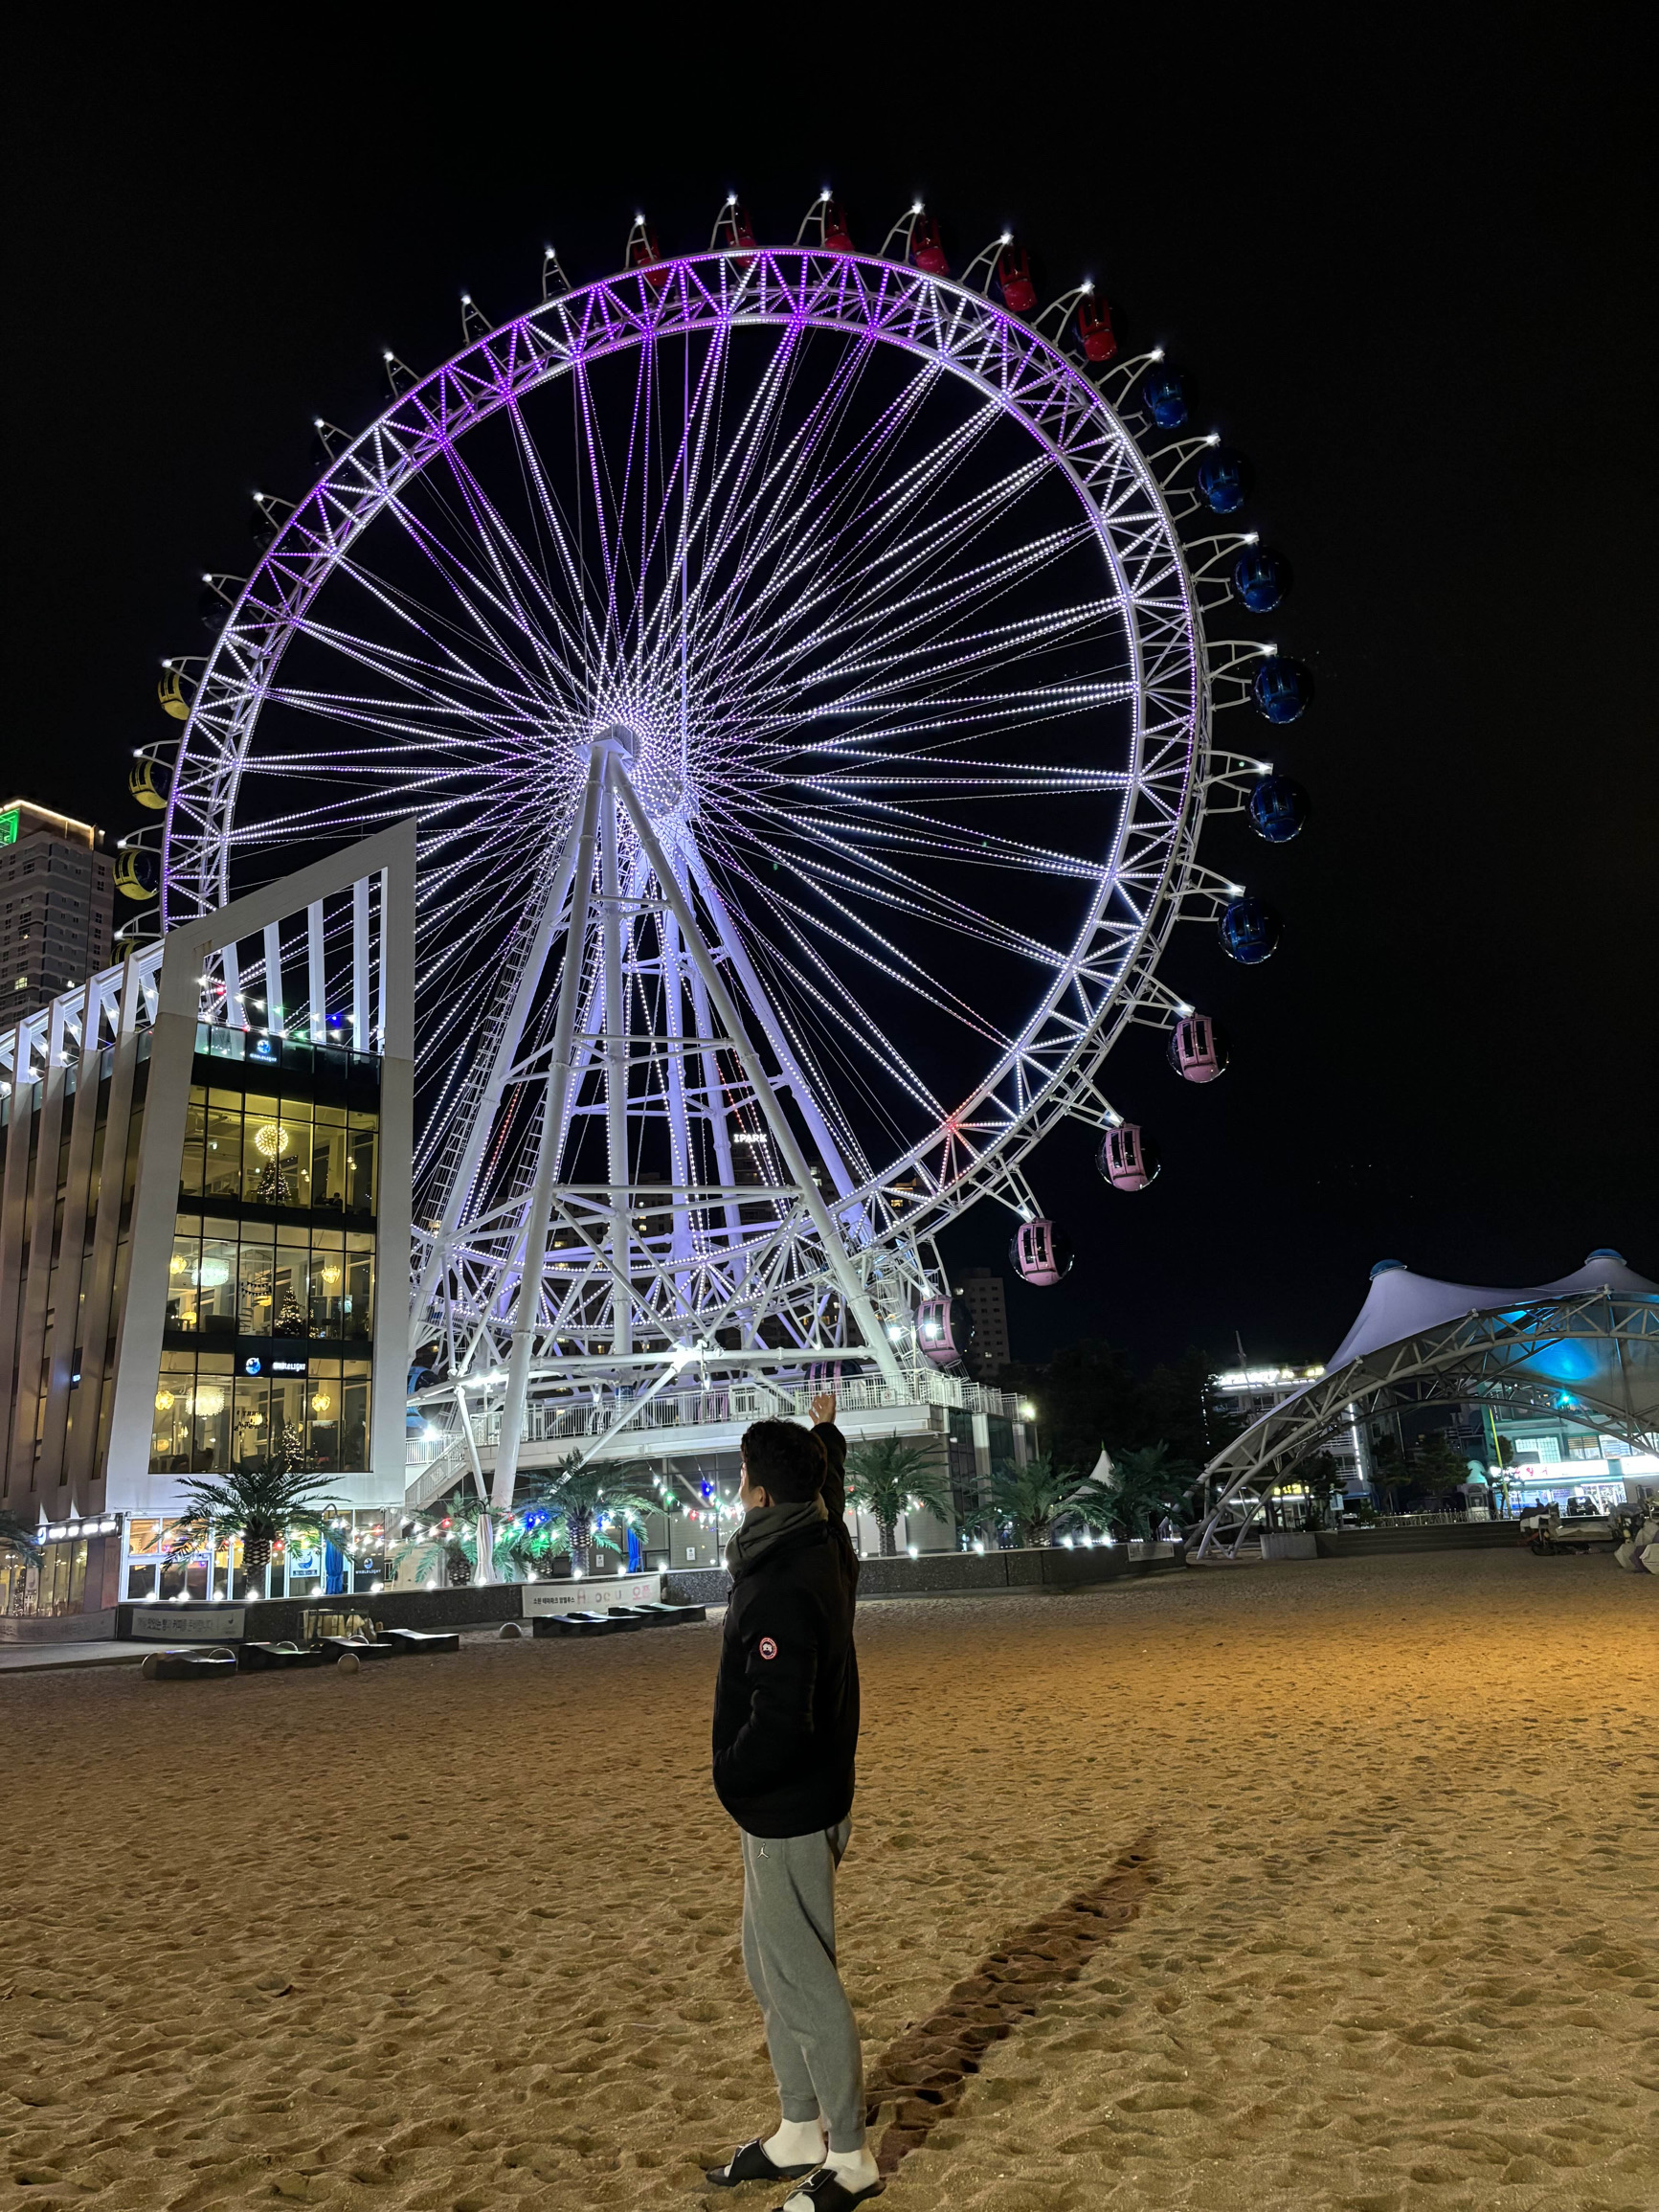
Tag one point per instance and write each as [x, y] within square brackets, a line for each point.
[786, 1731]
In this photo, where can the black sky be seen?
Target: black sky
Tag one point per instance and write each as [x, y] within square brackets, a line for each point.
[1410, 274]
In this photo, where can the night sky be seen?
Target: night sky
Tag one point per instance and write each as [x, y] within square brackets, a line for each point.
[1411, 282]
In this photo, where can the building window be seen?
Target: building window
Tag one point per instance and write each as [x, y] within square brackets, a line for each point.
[270, 1149]
[261, 1279]
[62, 1577]
[212, 1415]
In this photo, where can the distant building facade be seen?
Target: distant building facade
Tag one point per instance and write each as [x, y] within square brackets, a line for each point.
[56, 901]
[1242, 1395]
[981, 1292]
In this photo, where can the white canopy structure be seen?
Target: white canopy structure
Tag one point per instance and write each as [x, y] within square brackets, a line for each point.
[1589, 1341]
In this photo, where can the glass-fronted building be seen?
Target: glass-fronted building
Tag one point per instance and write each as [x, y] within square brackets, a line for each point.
[205, 1235]
[266, 1356]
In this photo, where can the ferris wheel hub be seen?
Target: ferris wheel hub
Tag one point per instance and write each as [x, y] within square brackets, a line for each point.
[617, 737]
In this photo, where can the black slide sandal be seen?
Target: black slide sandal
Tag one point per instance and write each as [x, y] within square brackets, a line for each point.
[827, 2192]
[750, 2163]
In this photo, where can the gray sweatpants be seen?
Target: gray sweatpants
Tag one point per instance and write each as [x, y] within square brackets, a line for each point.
[788, 1953]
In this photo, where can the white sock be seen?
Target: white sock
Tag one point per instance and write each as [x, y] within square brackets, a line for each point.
[796, 2143]
[852, 2169]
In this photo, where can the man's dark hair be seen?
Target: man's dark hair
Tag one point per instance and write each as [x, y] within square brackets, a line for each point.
[784, 1461]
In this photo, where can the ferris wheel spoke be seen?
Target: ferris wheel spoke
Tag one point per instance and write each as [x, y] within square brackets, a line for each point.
[808, 540]
[447, 683]
[903, 828]
[438, 674]
[793, 499]
[855, 897]
[870, 876]
[928, 592]
[490, 743]
[470, 593]
[854, 574]
[950, 656]
[987, 777]
[815, 977]
[663, 623]
[911, 607]
[543, 622]
[853, 933]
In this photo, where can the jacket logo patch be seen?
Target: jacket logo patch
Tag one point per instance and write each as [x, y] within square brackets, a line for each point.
[768, 1649]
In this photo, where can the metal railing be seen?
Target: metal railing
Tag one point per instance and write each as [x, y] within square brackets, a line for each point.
[548, 1420]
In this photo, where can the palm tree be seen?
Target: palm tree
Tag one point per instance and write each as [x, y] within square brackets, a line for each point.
[885, 1478]
[1142, 1488]
[1034, 1497]
[584, 1502]
[448, 1533]
[256, 1502]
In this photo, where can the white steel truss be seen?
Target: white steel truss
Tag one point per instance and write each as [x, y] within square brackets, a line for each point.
[1508, 1356]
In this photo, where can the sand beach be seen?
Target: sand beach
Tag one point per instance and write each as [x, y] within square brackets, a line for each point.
[1373, 1849]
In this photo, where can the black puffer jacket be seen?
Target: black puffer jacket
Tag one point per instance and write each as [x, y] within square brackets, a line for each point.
[786, 1701]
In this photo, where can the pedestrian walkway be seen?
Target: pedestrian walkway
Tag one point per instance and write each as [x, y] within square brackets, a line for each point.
[29, 1659]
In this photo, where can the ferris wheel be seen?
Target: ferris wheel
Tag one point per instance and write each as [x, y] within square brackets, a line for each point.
[797, 659]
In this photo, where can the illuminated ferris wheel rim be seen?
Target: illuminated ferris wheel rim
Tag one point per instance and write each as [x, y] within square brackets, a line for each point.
[1109, 968]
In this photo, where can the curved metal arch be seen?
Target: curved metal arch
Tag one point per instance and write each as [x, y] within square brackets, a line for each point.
[1048, 1070]
[1479, 1358]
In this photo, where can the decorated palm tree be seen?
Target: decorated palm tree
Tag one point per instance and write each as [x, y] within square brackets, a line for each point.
[886, 1477]
[446, 1537]
[584, 1504]
[258, 1502]
[1037, 1497]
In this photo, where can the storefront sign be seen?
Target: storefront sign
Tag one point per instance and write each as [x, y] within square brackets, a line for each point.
[592, 1593]
[189, 1623]
[273, 1364]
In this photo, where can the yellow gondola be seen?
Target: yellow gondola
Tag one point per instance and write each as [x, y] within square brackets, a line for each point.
[136, 875]
[172, 699]
[148, 781]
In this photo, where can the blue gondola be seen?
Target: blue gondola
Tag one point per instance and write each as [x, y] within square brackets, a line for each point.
[1260, 579]
[1282, 690]
[1278, 809]
[1250, 930]
[1221, 480]
[1164, 397]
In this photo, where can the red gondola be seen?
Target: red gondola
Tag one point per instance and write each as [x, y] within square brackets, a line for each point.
[1128, 1158]
[836, 237]
[644, 254]
[733, 228]
[926, 249]
[1094, 329]
[1014, 280]
[1197, 1052]
[1041, 1254]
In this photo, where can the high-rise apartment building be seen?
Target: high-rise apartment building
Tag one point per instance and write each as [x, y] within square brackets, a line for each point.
[57, 895]
[981, 1291]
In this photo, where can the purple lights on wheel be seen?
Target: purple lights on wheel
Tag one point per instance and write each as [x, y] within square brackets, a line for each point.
[896, 612]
